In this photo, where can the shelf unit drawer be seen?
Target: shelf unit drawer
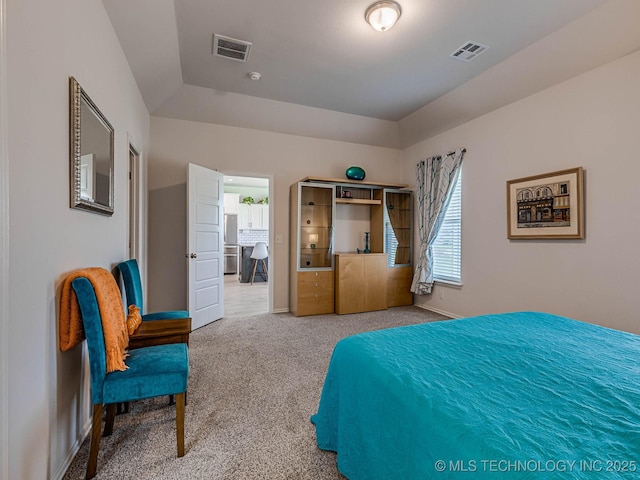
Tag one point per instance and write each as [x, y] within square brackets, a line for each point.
[315, 303]
[324, 276]
[315, 292]
[309, 288]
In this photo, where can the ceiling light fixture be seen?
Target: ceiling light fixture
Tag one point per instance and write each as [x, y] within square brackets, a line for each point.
[254, 76]
[383, 15]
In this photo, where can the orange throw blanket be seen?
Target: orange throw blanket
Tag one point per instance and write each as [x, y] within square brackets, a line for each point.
[114, 325]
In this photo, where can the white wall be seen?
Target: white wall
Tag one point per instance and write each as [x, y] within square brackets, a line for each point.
[47, 43]
[4, 253]
[234, 150]
[590, 121]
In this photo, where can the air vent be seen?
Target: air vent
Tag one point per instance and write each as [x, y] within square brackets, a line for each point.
[231, 48]
[468, 51]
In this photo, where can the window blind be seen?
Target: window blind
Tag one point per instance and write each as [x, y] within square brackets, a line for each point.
[447, 246]
[391, 243]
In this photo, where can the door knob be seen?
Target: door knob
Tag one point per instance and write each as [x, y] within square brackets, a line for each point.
[192, 255]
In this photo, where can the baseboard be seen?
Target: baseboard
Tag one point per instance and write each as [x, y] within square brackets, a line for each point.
[280, 310]
[437, 310]
[73, 451]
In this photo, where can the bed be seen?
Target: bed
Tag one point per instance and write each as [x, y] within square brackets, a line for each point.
[521, 395]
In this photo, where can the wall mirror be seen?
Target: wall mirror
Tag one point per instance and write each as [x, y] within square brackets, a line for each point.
[91, 151]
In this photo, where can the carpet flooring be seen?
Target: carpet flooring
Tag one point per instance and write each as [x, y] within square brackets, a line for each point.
[254, 382]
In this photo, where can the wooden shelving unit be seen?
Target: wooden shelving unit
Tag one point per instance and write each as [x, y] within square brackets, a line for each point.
[312, 290]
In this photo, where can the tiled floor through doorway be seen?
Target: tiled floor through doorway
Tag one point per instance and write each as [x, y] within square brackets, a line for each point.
[243, 298]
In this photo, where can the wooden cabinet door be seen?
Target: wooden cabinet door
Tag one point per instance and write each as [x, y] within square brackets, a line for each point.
[399, 286]
[361, 282]
[350, 291]
[375, 281]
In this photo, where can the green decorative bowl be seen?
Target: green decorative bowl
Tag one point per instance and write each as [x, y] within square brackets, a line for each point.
[355, 173]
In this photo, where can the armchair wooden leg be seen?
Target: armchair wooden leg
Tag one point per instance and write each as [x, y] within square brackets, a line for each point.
[264, 269]
[111, 415]
[180, 423]
[96, 427]
[172, 400]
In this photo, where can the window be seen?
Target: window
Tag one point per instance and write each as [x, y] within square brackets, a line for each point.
[447, 246]
[391, 243]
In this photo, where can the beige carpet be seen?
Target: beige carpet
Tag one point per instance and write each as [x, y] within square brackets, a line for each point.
[254, 383]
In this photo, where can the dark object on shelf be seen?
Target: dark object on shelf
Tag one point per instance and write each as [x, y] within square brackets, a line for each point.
[355, 173]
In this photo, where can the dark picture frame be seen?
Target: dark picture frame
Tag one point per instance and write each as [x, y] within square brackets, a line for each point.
[546, 206]
[91, 150]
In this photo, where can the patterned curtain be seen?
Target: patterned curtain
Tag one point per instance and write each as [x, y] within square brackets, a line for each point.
[436, 178]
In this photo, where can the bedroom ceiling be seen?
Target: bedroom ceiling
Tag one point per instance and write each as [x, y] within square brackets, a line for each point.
[323, 54]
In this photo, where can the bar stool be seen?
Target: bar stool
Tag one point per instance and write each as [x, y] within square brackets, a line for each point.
[260, 252]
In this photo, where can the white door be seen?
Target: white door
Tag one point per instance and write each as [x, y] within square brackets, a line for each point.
[205, 240]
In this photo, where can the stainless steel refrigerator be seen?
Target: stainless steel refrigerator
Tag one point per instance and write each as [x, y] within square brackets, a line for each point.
[230, 243]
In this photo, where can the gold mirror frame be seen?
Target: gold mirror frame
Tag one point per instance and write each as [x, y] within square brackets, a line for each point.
[91, 152]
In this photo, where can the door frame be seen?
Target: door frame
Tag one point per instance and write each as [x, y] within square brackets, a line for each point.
[271, 268]
[135, 213]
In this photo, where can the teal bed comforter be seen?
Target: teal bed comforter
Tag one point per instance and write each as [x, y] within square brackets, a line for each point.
[511, 396]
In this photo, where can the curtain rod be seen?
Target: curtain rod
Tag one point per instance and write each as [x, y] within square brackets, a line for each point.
[463, 151]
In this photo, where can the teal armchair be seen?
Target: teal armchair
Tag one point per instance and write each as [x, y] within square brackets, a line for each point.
[133, 292]
[153, 371]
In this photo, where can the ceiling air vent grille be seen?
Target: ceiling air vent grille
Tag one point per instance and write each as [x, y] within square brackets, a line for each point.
[468, 51]
[231, 48]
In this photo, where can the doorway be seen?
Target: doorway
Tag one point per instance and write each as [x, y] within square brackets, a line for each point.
[247, 222]
[134, 201]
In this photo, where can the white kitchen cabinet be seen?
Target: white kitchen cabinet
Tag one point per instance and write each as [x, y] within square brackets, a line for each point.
[253, 217]
[231, 203]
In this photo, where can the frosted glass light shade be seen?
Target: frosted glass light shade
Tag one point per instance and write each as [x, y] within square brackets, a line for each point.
[383, 15]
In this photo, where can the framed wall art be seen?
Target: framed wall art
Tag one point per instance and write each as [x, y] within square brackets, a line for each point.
[546, 206]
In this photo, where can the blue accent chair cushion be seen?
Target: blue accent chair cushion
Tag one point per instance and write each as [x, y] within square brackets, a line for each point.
[153, 371]
[133, 291]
